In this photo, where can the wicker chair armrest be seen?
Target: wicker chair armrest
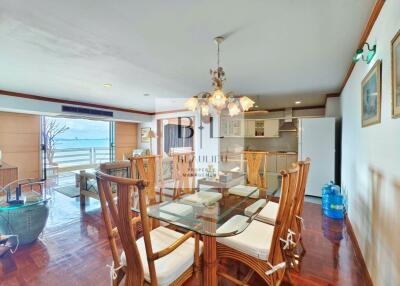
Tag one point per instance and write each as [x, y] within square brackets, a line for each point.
[172, 247]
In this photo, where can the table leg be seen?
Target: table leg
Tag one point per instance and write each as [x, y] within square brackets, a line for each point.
[210, 261]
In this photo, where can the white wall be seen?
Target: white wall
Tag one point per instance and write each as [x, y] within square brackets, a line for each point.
[373, 152]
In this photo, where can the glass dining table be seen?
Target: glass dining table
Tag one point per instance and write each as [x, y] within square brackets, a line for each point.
[206, 212]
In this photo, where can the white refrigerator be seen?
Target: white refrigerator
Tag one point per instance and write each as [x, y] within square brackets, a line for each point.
[317, 141]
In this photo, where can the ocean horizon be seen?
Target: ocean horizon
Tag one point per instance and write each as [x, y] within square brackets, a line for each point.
[64, 143]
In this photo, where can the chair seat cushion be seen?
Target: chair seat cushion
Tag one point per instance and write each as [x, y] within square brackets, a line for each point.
[174, 211]
[171, 266]
[255, 240]
[244, 191]
[253, 208]
[203, 197]
[269, 213]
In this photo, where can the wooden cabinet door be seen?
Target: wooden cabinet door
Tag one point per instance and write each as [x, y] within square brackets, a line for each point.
[259, 128]
[290, 159]
[224, 126]
[250, 128]
[236, 127]
[271, 163]
[271, 128]
[280, 162]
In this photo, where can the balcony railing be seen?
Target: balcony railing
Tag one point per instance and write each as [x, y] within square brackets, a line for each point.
[81, 156]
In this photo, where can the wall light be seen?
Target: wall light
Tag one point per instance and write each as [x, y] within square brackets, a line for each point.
[359, 55]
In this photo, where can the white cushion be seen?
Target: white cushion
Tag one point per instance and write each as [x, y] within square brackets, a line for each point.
[253, 208]
[269, 213]
[203, 197]
[171, 266]
[244, 191]
[167, 212]
[237, 222]
[255, 240]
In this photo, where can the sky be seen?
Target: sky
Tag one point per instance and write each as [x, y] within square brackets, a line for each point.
[83, 128]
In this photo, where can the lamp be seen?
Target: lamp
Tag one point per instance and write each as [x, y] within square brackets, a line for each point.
[192, 103]
[217, 100]
[233, 109]
[151, 134]
[359, 54]
[246, 103]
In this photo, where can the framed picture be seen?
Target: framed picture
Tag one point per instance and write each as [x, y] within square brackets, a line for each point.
[371, 96]
[396, 76]
[143, 134]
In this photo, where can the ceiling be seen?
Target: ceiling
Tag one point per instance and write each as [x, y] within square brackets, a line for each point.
[281, 51]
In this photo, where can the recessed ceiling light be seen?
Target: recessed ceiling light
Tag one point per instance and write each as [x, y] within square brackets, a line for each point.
[107, 85]
[146, 94]
[297, 102]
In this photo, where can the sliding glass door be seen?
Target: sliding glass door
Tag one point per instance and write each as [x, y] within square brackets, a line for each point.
[73, 144]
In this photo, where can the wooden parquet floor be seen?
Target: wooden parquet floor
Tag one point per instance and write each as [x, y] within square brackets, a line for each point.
[73, 250]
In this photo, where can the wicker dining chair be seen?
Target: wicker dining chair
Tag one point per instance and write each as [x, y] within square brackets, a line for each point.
[297, 224]
[269, 214]
[184, 173]
[161, 257]
[260, 246]
[148, 169]
[270, 211]
[256, 168]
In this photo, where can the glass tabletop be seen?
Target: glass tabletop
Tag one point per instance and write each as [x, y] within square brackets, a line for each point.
[216, 211]
[23, 193]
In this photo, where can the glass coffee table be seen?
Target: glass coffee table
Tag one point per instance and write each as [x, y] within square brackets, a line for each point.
[24, 209]
[207, 211]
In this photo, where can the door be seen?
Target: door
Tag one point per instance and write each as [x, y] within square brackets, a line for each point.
[43, 148]
[317, 141]
[112, 141]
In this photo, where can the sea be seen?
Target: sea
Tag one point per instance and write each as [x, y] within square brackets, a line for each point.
[81, 143]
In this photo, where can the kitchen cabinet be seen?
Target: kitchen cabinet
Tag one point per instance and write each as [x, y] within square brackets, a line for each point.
[280, 162]
[290, 159]
[250, 127]
[255, 128]
[8, 174]
[231, 127]
[271, 162]
[277, 161]
[271, 128]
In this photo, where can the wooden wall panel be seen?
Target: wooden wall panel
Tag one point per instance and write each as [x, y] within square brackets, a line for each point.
[20, 142]
[125, 138]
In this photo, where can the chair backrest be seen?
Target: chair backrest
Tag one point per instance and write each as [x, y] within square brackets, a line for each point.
[119, 221]
[117, 168]
[295, 223]
[146, 168]
[184, 172]
[290, 180]
[304, 169]
[256, 163]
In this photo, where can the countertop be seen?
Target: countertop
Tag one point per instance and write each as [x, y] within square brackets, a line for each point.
[5, 166]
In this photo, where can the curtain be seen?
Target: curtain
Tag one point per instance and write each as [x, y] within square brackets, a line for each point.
[172, 140]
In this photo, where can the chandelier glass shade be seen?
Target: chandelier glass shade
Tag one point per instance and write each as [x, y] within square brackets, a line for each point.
[218, 100]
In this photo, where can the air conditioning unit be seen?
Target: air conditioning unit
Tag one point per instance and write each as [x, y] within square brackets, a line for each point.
[87, 112]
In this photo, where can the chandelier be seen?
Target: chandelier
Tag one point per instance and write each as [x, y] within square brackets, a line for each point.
[218, 100]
